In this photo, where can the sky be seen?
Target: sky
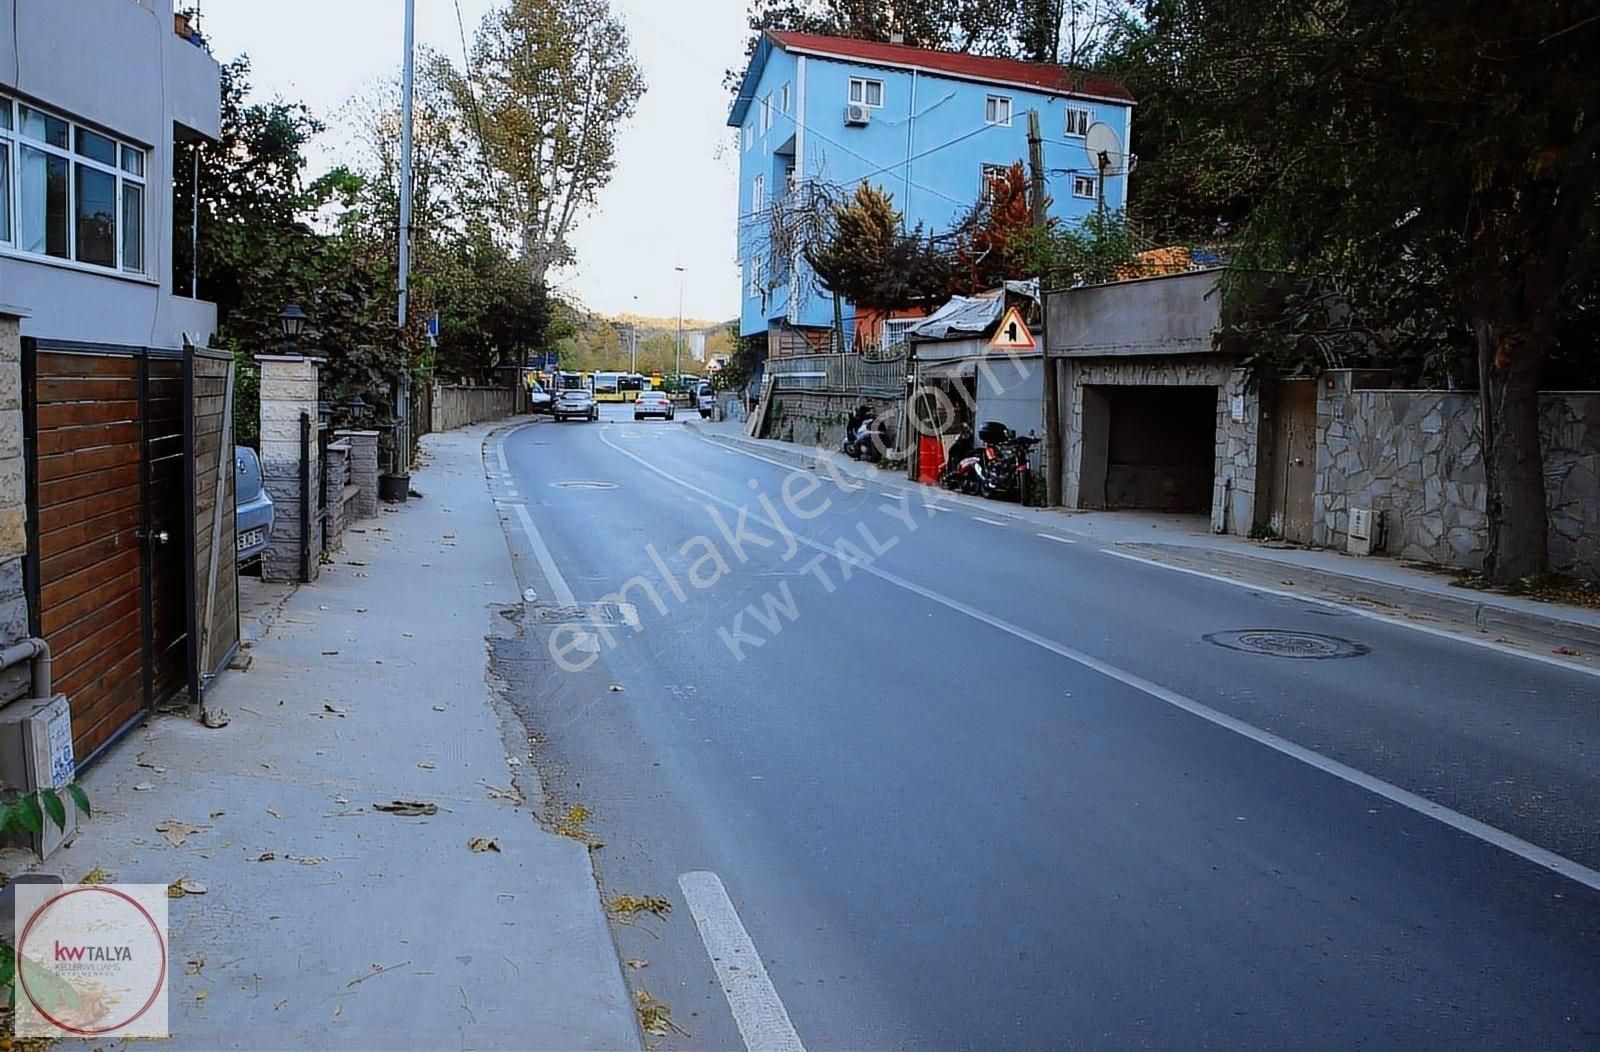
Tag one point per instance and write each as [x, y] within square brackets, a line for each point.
[673, 200]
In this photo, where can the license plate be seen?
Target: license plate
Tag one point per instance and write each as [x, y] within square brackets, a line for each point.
[250, 538]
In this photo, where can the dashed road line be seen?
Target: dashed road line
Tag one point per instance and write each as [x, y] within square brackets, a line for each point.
[1057, 539]
[757, 1009]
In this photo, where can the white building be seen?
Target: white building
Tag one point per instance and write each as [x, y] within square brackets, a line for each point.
[94, 96]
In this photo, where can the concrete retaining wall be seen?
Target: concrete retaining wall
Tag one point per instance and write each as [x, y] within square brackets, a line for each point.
[459, 406]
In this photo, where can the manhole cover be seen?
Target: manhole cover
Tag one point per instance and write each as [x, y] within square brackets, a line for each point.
[584, 484]
[1278, 643]
[588, 614]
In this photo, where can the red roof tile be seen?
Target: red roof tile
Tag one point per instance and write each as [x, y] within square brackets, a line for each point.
[985, 68]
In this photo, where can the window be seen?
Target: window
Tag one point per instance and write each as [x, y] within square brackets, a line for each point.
[783, 98]
[1083, 186]
[69, 191]
[748, 135]
[758, 195]
[866, 92]
[997, 110]
[991, 172]
[756, 291]
[1077, 121]
[766, 114]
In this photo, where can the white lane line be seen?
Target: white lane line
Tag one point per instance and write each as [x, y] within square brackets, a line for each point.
[1058, 540]
[989, 522]
[547, 562]
[762, 1020]
[511, 492]
[1455, 636]
[1499, 838]
[500, 454]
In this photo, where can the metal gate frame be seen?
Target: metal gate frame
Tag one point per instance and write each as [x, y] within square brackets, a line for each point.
[200, 676]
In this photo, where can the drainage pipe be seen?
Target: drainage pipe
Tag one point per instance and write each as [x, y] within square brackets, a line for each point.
[36, 652]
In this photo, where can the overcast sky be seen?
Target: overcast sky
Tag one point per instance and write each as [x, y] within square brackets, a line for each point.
[673, 200]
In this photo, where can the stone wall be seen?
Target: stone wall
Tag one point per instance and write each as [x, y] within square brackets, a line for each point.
[13, 507]
[817, 418]
[1417, 457]
[456, 406]
[289, 389]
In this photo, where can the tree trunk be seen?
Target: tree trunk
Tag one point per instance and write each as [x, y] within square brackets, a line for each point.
[1513, 458]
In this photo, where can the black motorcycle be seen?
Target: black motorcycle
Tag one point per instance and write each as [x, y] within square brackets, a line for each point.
[998, 470]
[870, 446]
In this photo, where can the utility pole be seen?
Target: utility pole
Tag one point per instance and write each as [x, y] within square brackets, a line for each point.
[677, 362]
[402, 395]
[1050, 453]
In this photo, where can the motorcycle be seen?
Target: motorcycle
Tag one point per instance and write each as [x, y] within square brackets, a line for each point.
[869, 446]
[999, 470]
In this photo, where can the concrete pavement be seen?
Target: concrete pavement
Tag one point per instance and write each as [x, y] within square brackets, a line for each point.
[327, 923]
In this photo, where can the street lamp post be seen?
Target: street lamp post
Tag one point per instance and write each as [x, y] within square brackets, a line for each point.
[677, 358]
[292, 322]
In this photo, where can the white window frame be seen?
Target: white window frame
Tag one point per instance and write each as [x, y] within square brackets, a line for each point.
[991, 110]
[15, 139]
[766, 113]
[757, 292]
[1083, 187]
[747, 135]
[758, 195]
[987, 175]
[784, 97]
[1082, 117]
[863, 96]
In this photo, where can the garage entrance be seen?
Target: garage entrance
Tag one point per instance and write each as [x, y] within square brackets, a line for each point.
[1149, 447]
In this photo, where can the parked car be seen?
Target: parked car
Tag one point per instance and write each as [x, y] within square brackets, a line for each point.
[253, 510]
[576, 402]
[704, 400]
[539, 400]
[653, 403]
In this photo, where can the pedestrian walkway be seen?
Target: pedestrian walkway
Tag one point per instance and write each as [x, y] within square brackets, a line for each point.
[1187, 541]
[327, 922]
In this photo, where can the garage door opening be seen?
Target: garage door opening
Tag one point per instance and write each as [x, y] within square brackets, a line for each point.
[1149, 447]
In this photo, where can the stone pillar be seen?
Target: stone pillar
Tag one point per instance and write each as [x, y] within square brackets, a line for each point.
[13, 505]
[363, 469]
[288, 389]
[333, 494]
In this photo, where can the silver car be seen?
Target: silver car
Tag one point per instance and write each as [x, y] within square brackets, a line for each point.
[253, 510]
[576, 402]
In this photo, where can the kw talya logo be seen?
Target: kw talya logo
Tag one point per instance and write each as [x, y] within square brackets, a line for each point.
[92, 953]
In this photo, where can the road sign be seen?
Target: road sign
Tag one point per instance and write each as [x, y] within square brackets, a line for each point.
[1013, 334]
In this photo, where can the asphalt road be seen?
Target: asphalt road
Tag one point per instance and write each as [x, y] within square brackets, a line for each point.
[970, 786]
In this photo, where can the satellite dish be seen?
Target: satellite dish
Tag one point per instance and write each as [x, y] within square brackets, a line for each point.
[1104, 149]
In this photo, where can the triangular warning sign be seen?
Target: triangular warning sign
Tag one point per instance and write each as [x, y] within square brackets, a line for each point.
[1013, 334]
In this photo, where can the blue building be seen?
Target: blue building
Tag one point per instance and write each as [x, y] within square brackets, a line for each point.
[929, 127]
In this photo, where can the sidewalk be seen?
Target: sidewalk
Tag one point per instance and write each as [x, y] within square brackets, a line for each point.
[327, 923]
[1186, 541]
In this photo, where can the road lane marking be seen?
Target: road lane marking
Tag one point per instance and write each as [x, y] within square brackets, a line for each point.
[757, 1009]
[1058, 540]
[1360, 611]
[500, 455]
[547, 562]
[990, 522]
[1575, 871]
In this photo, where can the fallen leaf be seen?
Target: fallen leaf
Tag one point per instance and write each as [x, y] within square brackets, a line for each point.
[218, 814]
[406, 634]
[273, 813]
[143, 787]
[478, 845]
[616, 688]
[184, 886]
[408, 807]
[194, 966]
[329, 653]
[97, 875]
[307, 860]
[426, 766]
[438, 708]
[1568, 652]
[265, 856]
[637, 963]
[152, 766]
[202, 995]
[176, 832]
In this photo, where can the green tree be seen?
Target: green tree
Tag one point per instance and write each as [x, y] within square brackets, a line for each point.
[550, 86]
[1390, 141]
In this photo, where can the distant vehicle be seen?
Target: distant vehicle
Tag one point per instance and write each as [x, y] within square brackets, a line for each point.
[253, 510]
[576, 402]
[653, 403]
[704, 400]
[539, 400]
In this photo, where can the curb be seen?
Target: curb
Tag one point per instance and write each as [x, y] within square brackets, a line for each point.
[1490, 618]
[1486, 617]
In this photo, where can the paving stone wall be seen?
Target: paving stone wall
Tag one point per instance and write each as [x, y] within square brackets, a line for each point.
[288, 389]
[1417, 457]
[363, 470]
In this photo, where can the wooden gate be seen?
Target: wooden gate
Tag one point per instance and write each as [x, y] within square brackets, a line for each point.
[1290, 474]
[213, 579]
[113, 436]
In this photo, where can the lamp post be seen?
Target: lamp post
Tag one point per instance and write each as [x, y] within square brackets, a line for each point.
[292, 322]
[677, 357]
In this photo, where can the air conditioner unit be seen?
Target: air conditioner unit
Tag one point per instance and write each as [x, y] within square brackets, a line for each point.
[857, 114]
[1363, 531]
